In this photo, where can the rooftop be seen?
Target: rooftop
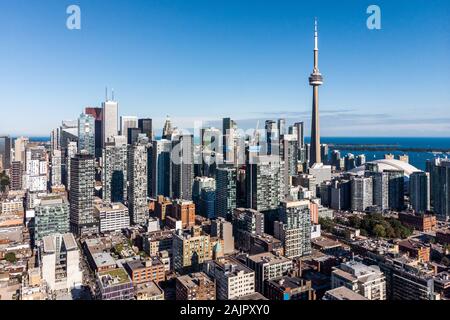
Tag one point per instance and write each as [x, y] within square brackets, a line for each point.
[325, 243]
[113, 277]
[140, 264]
[252, 296]
[103, 259]
[231, 266]
[443, 278]
[288, 282]
[149, 288]
[411, 244]
[110, 207]
[193, 280]
[69, 241]
[343, 293]
[52, 199]
[268, 257]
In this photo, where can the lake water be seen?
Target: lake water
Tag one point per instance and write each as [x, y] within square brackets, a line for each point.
[417, 159]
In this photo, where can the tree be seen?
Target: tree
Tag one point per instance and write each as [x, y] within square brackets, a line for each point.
[379, 231]
[355, 222]
[11, 257]
[326, 224]
[118, 248]
[4, 181]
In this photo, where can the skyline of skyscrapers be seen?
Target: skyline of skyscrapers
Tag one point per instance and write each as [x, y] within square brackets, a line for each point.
[178, 215]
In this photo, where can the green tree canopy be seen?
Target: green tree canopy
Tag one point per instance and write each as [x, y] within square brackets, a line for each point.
[11, 257]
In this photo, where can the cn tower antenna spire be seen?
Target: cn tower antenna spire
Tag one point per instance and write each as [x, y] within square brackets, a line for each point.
[316, 35]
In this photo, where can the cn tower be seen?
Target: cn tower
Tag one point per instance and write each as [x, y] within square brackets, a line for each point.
[315, 80]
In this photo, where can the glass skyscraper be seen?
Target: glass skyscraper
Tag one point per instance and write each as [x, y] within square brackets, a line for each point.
[86, 134]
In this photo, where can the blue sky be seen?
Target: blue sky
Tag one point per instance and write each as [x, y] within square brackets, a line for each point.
[248, 59]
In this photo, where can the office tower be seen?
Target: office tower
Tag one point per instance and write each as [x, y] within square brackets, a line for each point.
[16, 175]
[380, 190]
[161, 168]
[349, 162]
[68, 144]
[396, 189]
[267, 266]
[301, 147]
[272, 138]
[233, 279]
[419, 191]
[146, 126]
[290, 153]
[190, 249]
[360, 160]
[81, 194]
[226, 189]
[248, 220]
[60, 262]
[196, 286]
[55, 139]
[336, 159]
[167, 129]
[182, 166]
[315, 80]
[204, 200]
[223, 230]
[208, 203]
[19, 148]
[56, 168]
[340, 195]
[97, 113]
[127, 122]
[112, 216]
[264, 191]
[294, 228]
[86, 134]
[300, 134]
[51, 217]
[324, 151]
[110, 115]
[263, 185]
[361, 193]
[68, 132]
[114, 284]
[137, 179]
[184, 211]
[210, 148]
[36, 169]
[281, 127]
[229, 135]
[5, 152]
[201, 183]
[115, 169]
[440, 187]
[368, 281]
[133, 135]
[71, 151]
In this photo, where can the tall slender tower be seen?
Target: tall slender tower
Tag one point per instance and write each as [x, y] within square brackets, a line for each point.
[315, 80]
